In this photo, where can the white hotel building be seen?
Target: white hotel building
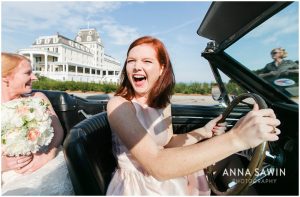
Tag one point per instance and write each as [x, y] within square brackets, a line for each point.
[82, 59]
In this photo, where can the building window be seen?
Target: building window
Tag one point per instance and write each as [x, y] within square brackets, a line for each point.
[89, 38]
[38, 41]
[47, 41]
[71, 43]
[72, 68]
[38, 59]
[55, 40]
[104, 72]
[60, 68]
[90, 32]
[93, 71]
[38, 68]
[110, 72]
[79, 69]
[98, 72]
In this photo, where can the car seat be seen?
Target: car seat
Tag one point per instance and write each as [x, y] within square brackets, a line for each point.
[89, 156]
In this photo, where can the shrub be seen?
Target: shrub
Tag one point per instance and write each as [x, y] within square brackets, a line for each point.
[45, 83]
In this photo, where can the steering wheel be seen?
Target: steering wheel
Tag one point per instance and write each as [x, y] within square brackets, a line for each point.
[256, 160]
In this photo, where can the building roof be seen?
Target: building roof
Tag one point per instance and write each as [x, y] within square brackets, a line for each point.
[88, 35]
[59, 39]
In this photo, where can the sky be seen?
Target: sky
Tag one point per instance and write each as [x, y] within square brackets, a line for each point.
[119, 23]
[282, 30]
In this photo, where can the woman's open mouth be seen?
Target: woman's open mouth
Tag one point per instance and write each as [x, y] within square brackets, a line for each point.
[28, 84]
[139, 80]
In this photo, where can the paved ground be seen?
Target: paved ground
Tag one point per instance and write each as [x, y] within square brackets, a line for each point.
[193, 99]
[176, 99]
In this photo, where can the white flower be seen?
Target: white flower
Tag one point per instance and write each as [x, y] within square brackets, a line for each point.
[26, 126]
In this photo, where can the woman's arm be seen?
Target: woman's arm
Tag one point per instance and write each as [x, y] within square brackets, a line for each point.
[40, 159]
[212, 128]
[58, 130]
[169, 163]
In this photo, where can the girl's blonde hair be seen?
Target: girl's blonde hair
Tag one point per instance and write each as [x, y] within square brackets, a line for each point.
[9, 61]
[283, 52]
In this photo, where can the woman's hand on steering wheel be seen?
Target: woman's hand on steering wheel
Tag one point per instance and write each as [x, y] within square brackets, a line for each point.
[214, 128]
[256, 127]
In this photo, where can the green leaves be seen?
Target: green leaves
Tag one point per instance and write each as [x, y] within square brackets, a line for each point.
[48, 84]
[45, 83]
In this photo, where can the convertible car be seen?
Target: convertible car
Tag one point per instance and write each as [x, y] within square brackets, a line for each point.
[269, 169]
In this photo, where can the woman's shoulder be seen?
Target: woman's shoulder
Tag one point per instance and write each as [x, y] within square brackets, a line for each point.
[34, 95]
[39, 95]
[116, 101]
[288, 62]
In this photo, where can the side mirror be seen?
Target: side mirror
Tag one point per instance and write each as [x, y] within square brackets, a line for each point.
[216, 93]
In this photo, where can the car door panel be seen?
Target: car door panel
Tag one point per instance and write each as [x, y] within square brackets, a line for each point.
[188, 117]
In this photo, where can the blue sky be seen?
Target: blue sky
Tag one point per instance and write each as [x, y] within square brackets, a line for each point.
[282, 30]
[119, 23]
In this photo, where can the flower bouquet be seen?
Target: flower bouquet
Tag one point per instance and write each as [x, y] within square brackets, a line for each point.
[25, 126]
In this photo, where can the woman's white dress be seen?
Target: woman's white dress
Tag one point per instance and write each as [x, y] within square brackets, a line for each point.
[51, 179]
[130, 178]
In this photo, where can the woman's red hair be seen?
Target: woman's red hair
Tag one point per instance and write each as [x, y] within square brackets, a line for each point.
[160, 95]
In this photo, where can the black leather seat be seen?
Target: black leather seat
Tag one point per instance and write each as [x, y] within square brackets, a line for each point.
[89, 157]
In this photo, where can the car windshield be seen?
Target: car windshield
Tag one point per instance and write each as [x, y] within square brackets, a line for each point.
[271, 51]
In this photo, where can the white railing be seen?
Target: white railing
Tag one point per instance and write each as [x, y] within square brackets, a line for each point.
[73, 76]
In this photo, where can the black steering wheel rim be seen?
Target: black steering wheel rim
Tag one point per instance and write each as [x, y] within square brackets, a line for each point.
[256, 160]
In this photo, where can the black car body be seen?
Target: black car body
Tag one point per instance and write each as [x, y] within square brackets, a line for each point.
[225, 23]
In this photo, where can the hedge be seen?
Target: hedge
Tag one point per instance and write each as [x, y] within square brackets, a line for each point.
[45, 83]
